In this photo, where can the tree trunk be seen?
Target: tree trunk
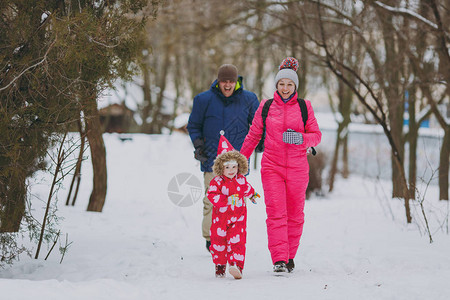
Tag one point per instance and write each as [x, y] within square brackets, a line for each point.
[391, 83]
[259, 62]
[98, 157]
[345, 169]
[12, 202]
[177, 80]
[412, 140]
[156, 124]
[445, 151]
[395, 101]
[412, 171]
[344, 107]
[334, 162]
[444, 166]
[147, 103]
[396, 122]
[445, 62]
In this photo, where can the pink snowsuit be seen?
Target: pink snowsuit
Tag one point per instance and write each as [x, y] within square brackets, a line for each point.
[228, 229]
[284, 172]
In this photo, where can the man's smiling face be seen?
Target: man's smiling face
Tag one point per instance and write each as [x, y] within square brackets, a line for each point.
[227, 87]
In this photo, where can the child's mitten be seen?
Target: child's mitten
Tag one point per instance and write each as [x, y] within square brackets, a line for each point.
[234, 200]
[254, 197]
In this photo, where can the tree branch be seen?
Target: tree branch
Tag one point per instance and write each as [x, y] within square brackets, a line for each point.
[29, 68]
[407, 12]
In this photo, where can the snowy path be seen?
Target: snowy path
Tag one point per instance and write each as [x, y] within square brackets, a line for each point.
[144, 247]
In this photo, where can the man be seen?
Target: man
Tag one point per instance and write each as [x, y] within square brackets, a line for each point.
[225, 106]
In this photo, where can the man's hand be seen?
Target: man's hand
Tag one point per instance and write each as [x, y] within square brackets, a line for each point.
[199, 153]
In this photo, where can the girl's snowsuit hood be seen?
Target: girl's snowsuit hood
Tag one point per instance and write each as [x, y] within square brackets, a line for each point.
[227, 156]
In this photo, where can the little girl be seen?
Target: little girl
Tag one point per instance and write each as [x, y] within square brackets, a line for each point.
[229, 215]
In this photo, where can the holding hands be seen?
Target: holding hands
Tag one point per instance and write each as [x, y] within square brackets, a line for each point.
[234, 199]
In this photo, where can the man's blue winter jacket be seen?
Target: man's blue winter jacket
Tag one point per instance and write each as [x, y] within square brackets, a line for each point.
[213, 112]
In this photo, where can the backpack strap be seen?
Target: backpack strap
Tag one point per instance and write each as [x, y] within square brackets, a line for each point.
[304, 110]
[264, 112]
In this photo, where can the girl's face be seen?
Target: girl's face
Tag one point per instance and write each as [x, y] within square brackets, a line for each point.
[230, 170]
[285, 87]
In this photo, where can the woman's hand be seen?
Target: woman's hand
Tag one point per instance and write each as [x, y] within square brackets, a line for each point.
[290, 136]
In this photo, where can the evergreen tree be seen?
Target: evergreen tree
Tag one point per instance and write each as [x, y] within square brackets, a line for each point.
[56, 58]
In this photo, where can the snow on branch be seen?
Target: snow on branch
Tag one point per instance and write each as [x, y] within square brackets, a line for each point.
[407, 12]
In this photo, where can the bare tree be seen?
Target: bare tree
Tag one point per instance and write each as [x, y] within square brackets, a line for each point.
[386, 113]
[432, 34]
[77, 173]
[378, 51]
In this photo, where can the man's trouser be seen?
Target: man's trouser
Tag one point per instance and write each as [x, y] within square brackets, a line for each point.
[207, 207]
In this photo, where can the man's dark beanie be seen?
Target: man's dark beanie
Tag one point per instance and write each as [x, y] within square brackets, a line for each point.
[227, 72]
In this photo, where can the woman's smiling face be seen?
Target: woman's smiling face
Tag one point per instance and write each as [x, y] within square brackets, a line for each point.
[285, 87]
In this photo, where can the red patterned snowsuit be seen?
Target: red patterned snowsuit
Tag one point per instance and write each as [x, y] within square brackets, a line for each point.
[228, 229]
[284, 172]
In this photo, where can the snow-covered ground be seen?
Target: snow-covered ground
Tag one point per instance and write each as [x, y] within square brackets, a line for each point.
[356, 244]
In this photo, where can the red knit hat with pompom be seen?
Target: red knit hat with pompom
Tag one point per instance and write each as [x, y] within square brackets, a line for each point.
[289, 63]
[288, 69]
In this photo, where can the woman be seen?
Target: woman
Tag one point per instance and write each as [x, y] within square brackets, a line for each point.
[284, 166]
